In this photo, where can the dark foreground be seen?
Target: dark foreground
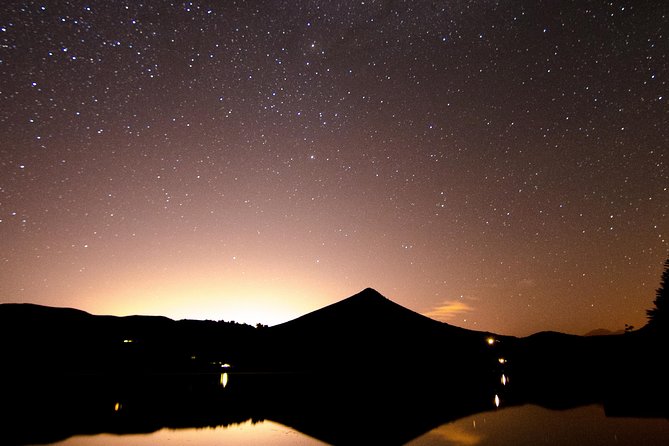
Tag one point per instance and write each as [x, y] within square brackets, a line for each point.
[362, 371]
[345, 407]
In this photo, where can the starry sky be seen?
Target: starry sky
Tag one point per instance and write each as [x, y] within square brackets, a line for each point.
[498, 165]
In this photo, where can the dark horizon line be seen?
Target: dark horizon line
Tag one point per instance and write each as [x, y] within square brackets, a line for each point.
[367, 290]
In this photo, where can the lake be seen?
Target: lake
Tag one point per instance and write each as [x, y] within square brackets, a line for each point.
[393, 408]
[528, 424]
[245, 433]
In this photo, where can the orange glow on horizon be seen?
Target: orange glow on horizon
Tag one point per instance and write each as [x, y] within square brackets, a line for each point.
[260, 188]
[265, 301]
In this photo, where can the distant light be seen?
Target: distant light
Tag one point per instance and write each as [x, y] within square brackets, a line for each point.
[502, 360]
[496, 400]
[225, 366]
[128, 341]
[117, 407]
[490, 341]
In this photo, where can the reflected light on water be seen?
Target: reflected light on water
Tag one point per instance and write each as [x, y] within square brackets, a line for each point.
[117, 407]
[504, 380]
[529, 424]
[453, 435]
[224, 380]
[496, 400]
[247, 433]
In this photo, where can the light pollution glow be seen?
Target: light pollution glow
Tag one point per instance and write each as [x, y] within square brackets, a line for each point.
[499, 166]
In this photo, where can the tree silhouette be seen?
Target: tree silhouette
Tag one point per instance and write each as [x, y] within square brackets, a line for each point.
[658, 317]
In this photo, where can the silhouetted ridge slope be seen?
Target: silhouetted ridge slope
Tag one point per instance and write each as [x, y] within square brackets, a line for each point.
[72, 340]
[33, 313]
[366, 331]
[365, 310]
[370, 332]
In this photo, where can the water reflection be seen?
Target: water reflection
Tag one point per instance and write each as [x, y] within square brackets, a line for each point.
[245, 433]
[530, 424]
[356, 408]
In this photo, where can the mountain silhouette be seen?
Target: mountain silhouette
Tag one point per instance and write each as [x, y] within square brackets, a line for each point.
[362, 370]
[378, 365]
[368, 332]
[366, 311]
[73, 341]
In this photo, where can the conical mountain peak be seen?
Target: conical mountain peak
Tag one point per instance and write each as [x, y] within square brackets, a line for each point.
[369, 294]
[367, 309]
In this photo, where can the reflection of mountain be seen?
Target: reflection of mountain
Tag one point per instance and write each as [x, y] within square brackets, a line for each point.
[626, 373]
[378, 370]
[356, 413]
[367, 364]
[363, 370]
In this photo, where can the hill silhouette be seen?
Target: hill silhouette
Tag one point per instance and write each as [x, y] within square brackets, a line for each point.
[362, 370]
[334, 364]
[365, 312]
[368, 332]
[73, 341]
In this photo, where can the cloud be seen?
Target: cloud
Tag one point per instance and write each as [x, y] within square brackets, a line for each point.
[449, 309]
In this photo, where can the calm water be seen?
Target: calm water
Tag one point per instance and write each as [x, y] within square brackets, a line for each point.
[247, 433]
[532, 425]
[585, 426]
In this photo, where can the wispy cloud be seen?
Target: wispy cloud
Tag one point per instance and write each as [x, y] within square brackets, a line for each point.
[449, 309]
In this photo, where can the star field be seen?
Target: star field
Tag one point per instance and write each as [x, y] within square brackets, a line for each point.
[501, 166]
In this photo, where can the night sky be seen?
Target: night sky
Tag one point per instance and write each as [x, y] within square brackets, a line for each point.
[500, 166]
